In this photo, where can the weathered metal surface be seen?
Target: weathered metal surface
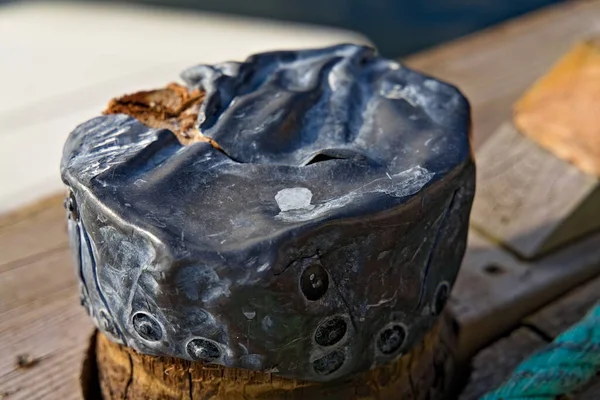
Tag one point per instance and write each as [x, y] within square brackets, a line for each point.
[322, 239]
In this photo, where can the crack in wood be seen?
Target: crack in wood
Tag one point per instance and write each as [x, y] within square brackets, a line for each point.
[130, 379]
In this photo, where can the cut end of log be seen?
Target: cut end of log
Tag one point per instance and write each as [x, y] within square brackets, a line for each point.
[560, 111]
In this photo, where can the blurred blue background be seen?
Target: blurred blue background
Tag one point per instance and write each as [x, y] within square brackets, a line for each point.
[397, 27]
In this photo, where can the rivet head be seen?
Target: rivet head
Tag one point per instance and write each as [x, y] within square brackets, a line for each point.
[391, 339]
[329, 363]
[203, 350]
[331, 331]
[71, 206]
[147, 327]
[314, 281]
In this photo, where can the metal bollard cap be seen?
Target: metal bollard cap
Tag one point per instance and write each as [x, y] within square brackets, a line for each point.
[315, 233]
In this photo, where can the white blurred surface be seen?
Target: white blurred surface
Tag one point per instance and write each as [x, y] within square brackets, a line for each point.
[60, 63]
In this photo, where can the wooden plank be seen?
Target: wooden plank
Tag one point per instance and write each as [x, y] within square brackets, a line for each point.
[566, 311]
[530, 200]
[40, 316]
[495, 290]
[49, 273]
[495, 66]
[492, 365]
[54, 332]
[30, 211]
[495, 363]
[557, 111]
[554, 319]
[31, 232]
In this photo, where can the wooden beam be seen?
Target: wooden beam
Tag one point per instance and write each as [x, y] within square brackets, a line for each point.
[559, 112]
[495, 66]
[530, 200]
[492, 365]
[495, 290]
[495, 363]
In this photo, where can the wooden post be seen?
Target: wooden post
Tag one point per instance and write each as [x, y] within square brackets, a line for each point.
[426, 372]
[318, 266]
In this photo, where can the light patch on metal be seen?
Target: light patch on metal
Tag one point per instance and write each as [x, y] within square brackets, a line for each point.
[405, 183]
[294, 199]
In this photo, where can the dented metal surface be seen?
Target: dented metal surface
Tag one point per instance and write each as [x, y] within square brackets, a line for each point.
[319, 241]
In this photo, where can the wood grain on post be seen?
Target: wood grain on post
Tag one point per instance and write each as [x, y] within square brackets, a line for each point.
[424, 373]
